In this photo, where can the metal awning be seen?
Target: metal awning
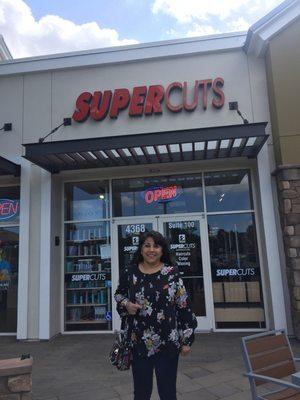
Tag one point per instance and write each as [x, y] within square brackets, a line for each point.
[8, 167]
[159, 147]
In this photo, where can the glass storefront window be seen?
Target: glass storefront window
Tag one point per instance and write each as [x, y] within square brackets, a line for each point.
[228, 191]
[9, 253]
[157, 195]
[88, 299]
[235, 268]
[86, 201]
[88, 277]
[236, 277]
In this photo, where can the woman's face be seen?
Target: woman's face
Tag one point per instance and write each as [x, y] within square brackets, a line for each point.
[151, 252]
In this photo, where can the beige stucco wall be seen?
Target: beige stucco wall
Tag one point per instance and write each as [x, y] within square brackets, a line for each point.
[283, 71]
[283, 75]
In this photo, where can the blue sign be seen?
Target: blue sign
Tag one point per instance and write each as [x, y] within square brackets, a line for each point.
[108, 316]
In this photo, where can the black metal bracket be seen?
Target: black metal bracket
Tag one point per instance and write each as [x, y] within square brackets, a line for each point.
[6, 127]
[66, 122]
[234, 105]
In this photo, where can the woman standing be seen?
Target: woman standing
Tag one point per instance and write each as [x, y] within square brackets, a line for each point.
[163, 324]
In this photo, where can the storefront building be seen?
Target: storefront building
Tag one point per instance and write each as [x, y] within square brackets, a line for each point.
[281, 52]
[148, 138]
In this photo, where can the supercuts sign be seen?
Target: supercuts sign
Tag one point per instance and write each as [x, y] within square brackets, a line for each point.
[148, 100]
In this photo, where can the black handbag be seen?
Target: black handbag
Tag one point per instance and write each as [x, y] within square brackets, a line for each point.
[121, 353]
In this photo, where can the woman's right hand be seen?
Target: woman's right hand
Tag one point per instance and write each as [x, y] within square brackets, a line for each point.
[132, 308]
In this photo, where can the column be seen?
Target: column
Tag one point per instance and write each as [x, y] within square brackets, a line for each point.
[271, 240]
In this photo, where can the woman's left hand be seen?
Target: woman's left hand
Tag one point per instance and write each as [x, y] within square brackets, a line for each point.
[185, 350]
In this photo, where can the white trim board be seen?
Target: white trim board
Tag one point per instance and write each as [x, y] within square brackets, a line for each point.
[122, 54]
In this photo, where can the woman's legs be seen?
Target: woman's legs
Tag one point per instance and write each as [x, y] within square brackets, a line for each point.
[142, 371]
[166, 375]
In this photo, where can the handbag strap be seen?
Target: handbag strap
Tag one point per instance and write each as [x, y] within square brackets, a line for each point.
[129, 318]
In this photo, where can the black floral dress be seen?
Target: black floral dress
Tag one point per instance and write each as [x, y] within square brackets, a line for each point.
[165, 322]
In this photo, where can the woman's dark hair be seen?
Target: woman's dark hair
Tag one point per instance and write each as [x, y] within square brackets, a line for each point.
[159, 240]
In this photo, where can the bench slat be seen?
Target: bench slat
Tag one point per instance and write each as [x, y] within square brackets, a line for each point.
[286, 394]
[265, 343]
[279, 371]
[275, 357]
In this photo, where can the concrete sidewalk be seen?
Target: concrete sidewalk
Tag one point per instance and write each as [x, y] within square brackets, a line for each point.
[76, 367]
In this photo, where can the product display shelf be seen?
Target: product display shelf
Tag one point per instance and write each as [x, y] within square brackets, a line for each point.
[82, 255]
[98, 321]
[86, 304]
[83, 272]
[87, 240]
[88, 288]
[87, 273]
[94, 311]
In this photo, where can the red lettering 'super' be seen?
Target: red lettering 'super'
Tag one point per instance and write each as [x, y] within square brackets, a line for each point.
[120, 102]
[82, 107]
[100, 105]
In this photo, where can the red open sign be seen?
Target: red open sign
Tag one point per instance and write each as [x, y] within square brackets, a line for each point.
[161, 194]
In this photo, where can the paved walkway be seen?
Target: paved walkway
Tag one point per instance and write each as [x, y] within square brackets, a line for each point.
[76, 367]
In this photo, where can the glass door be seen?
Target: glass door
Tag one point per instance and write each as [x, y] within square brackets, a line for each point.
[9, 255]
[126, 236]
[187, 236]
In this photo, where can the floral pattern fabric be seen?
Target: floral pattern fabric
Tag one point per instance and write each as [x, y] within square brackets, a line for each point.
[165, 322]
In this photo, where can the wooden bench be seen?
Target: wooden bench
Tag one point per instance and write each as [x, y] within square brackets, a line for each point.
[269, 359]
[16, 379]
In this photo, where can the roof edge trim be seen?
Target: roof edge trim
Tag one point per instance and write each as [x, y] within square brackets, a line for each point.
[4, 50]
[122, 54]
[260, 33]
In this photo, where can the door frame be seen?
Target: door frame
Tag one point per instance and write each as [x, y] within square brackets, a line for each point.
[206, 323]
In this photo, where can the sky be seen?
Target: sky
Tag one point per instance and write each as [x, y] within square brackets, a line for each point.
[39, 27]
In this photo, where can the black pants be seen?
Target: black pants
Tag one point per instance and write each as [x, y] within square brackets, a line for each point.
[165, 367]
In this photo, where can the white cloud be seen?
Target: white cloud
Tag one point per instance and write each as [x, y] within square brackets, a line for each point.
[201, 30]
[171, 32]
[26, 36]
[189, 10]
[239, 24]
[202, 10]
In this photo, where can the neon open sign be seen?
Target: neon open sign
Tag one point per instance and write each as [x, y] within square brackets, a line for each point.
[161, 194]
[9, 209]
